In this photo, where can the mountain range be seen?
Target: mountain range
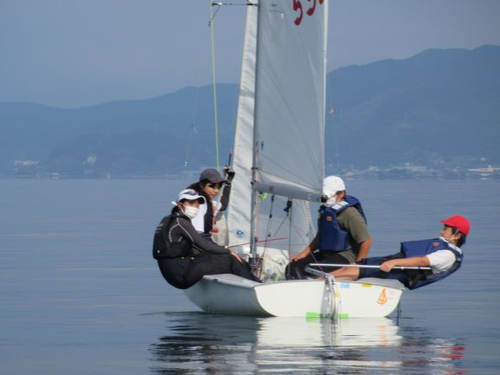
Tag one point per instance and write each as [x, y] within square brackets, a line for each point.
[438, 108]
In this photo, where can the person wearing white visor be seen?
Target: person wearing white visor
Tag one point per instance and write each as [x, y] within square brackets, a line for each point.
[183, 255]
[343, 235]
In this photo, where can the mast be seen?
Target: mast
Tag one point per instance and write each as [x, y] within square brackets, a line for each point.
[255, 161]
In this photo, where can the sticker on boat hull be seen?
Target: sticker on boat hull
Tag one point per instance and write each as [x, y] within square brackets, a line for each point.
[382, 298]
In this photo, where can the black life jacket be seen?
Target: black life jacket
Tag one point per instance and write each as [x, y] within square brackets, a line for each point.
[162, 247]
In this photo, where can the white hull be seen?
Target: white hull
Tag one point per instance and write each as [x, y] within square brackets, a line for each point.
[233, 295]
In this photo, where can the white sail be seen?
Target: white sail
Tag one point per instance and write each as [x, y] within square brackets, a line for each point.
[302, 230]
[295, 167]
[290, 98]
[239, 208]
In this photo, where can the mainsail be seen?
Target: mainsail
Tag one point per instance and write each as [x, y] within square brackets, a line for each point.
[290, 98]
[281, 111]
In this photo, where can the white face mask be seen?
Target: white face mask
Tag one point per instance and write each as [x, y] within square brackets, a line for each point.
[331, 201]
[190, 211]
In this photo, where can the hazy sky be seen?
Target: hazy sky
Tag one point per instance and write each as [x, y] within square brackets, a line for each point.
[72, 53]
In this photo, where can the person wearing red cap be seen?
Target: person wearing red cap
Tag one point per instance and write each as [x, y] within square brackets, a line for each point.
[442, 255]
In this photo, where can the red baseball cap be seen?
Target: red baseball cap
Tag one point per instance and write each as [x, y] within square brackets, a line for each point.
[459, 222]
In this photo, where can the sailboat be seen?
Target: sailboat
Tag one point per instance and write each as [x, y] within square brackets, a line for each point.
[279, 151]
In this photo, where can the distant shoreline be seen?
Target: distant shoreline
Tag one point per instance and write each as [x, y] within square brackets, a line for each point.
[194, 176]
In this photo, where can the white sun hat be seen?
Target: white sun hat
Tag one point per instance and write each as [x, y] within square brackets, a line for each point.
[332, 184]
[190, 195]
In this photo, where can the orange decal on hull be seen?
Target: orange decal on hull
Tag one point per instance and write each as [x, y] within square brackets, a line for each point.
[382, 299]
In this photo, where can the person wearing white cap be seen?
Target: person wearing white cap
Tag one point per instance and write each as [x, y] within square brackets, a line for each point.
[343, 235]
[440, 256]
[183, 255]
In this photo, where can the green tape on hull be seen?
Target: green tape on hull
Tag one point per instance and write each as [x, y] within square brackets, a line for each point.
[312, 315]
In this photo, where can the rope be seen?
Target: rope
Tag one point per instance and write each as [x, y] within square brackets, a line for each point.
[211, 25]
[214, 85]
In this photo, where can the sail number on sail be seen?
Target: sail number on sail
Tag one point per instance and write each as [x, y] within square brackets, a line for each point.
[297, 7]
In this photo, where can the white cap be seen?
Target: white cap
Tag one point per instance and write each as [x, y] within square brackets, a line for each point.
[332, 184]
[190, 195]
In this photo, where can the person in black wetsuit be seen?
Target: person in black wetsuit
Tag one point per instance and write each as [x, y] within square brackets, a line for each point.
[183, 255]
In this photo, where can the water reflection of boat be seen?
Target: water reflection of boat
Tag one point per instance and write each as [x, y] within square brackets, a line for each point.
[201, 343]
[198, 343]
[323, 332]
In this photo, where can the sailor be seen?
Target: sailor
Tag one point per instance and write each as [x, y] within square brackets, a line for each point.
[183, 255]
[343, 235]
[209, 186]
[443, 255]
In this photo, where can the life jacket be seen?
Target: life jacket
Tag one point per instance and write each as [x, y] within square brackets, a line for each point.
[331, 236]
[162, 247]
[209, 216]
[419, 278]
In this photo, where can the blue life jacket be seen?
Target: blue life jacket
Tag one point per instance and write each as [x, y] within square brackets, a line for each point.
[331, 236]
[419, 278]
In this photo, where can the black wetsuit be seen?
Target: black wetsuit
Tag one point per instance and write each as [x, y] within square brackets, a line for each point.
[184, 256]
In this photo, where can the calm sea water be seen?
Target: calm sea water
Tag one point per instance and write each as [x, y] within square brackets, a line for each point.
[80, 293]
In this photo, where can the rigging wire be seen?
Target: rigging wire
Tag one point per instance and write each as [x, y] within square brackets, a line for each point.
[193, 129]
[336, 118]
[214, 84]
[289, 212]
